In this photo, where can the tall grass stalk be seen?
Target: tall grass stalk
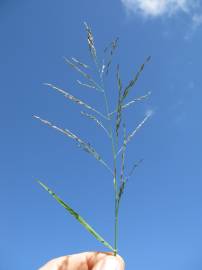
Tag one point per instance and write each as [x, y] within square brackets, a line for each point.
[113, 125]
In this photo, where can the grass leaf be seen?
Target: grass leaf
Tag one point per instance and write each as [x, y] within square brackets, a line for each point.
[77, 217]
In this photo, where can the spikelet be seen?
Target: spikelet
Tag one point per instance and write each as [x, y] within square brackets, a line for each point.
[74, 99]
[79, 63]
[91, 44]
[98, 122]
[133, 81]
[119, 105]
[112, 46]
[85, 146]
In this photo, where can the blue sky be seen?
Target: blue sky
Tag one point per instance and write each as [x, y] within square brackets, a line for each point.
[161, 212]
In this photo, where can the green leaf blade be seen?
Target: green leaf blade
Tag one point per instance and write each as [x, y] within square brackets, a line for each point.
[77, 217]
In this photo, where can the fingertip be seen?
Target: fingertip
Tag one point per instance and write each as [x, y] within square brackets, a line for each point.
[113, 263]
[121, 262]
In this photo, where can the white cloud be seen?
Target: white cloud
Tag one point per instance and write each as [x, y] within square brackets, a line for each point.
[197, 20]
[156, 8]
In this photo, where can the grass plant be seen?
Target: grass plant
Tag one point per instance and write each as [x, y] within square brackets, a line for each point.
[111, 122]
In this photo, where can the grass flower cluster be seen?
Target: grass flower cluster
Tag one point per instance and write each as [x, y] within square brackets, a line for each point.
[111, 122]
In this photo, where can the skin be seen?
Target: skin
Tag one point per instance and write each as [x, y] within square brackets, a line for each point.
[86, 261]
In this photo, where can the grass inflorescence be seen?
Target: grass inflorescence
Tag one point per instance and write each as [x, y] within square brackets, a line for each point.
[111, 122]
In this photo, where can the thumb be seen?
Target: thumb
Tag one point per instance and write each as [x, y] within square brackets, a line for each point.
[110, 263]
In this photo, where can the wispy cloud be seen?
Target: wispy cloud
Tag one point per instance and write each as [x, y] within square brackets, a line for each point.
[151, 9]
[196, 22]
[157, 8]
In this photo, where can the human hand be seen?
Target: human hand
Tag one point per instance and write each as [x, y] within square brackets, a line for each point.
[86, 261]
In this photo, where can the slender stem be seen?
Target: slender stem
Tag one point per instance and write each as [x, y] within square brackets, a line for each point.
[115, 179]
[116, 226]
[116, 203]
